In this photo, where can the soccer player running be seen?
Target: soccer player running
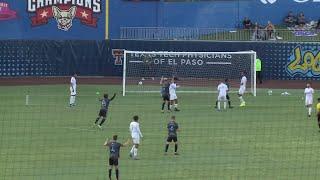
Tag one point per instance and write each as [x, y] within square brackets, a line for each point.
[173, 96]
[165, 93]
[222, 97]
[308, 91]
[172, 127]
[73, 90]
[135, 135]
[318, 113]
[105, 102]
[114, 151]
[242, 88]
[226, 82]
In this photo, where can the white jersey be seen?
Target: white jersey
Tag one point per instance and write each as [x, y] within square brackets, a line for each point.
[222, 89]
[135, 130]
[172, 88]
[309, 92]
[73, 82]
[243, 82]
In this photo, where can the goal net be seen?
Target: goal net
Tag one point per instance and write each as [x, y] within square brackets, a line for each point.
[198, 72]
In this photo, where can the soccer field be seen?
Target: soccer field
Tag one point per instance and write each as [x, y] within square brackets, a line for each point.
[270, 138]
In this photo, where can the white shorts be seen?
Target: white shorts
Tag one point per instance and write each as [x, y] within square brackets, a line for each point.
[309, 101]
[222, 98]
[242, 90]
[73, 93]
[136, 140]
[173, 97]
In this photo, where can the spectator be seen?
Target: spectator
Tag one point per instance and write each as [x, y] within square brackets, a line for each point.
[257, 32]
[290, 20]
[270, 31]
[318, 24]
[301, 19]
[247, 23]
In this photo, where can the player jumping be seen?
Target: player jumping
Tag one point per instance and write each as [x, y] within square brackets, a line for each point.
[318, 113]
[136, 135]
[104, 109]
[308, 91]
[165, 93]
[226, 82]
[222, 97]
[73, 90]
[114, 150]
[242, 88]
[173, 96]
[172, 127]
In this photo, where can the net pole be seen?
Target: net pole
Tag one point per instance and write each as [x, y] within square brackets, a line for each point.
[124, 73]
[254, 74]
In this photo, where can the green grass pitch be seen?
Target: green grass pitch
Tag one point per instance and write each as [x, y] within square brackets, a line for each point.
[271, 138]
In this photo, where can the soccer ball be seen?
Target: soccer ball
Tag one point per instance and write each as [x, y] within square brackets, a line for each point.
[140, 83]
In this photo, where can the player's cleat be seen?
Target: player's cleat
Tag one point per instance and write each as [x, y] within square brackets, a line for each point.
[176, 153]
[216, 107]
[100, 127]
[130, 155]
[135, 158]
[176, 109]
[309, 115]
[230, 107]
[162, 111]
[243, 104]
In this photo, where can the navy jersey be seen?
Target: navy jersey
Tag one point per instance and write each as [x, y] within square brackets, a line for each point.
[172, 128]
[114, 149]
[165, 89]
[105, 103]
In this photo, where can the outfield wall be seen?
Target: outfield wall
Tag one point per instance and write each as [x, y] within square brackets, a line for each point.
[104, 58]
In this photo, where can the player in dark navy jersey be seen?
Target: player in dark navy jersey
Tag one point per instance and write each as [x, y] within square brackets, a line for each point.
[165, 84]
[228, 97]
[104, 109]
[172, 127]
[114, 154]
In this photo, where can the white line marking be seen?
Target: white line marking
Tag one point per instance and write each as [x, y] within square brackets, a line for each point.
[79, 129]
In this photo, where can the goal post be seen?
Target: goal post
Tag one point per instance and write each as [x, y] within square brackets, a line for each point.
[198, 72]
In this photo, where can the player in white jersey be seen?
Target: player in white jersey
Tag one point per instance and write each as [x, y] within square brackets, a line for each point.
[135, 135]
[222, 95]
[173, 96]
[73, 90]
[308, 91]
[242, 88]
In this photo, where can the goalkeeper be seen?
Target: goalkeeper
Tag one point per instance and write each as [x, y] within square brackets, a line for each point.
[226, 82]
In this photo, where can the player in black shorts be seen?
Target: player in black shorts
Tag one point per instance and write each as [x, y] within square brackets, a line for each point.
[114, 149]
[173, 127]
[165, 93]
[104, 109]
[228, 97]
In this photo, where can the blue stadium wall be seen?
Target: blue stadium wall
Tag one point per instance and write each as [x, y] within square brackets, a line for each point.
[104, 58]
[205, 14]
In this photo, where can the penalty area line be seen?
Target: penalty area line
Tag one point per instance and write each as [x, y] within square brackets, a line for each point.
[78, 129]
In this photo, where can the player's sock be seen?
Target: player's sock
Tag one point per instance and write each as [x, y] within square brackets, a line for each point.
[171, 106]
[168, 107]
[117, 174]
[110, 172]
[135, 152]
[102, 121]
[241, 99]
[131, 151]
[218, 105]
[309, 111]
[98, 118]
[70, 101]
[175, 148]
[229, 103]
[224, 105]
[176, 106]
[167, 147]
[163, 106]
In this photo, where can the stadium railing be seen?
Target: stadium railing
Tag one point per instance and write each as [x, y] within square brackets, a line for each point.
[217, 34]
